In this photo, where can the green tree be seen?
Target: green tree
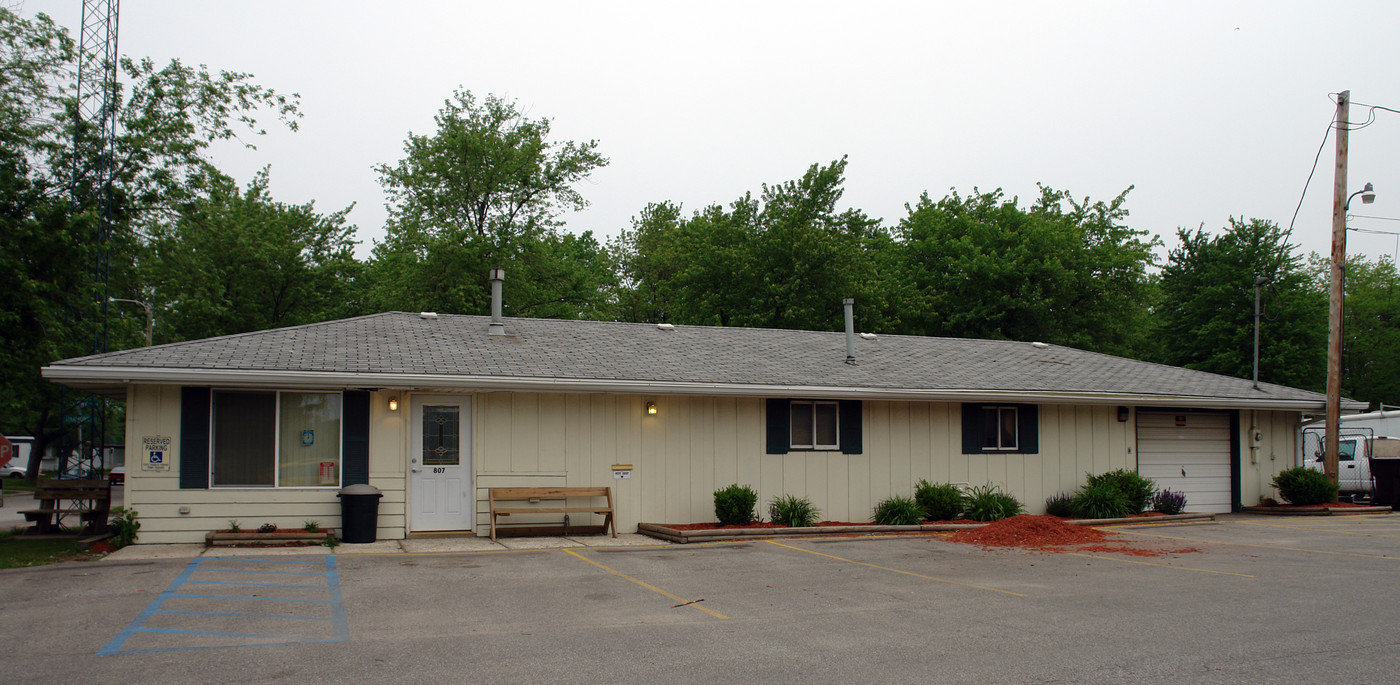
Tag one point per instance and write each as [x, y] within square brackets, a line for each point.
[486, 190]
[236, 261]
[785, 260]
[1370, 328]
[1206, 313]
[1060, 271]
[166, 120]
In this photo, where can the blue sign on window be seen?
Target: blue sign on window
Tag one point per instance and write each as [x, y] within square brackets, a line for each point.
[308, 437]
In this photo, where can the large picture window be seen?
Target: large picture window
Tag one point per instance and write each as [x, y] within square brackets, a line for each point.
[275, 439]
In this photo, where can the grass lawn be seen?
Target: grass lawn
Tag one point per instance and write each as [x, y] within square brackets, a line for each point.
[16, 552]
[17, 485]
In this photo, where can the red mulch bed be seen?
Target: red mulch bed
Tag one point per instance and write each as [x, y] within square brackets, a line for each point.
[1329, 505]
[101, 547]
[1051, 534]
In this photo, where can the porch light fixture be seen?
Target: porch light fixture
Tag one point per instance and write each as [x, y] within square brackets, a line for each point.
[393, 404]
[1122, 414]
[651, 408]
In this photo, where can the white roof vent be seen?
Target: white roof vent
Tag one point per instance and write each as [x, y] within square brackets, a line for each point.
[1040, 345]
[665, 327]
[427, 315]
[868, 336]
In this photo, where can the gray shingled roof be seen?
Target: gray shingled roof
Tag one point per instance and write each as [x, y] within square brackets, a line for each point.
[399, 349]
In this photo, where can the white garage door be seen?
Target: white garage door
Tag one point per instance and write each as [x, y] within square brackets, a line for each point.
[1187, 452]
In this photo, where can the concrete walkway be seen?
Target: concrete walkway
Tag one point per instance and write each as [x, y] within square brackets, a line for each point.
[428, 545]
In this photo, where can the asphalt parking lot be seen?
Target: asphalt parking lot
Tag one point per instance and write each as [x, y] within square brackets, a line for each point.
[1261, 600]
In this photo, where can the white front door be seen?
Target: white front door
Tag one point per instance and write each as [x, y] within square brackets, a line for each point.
[440, 489]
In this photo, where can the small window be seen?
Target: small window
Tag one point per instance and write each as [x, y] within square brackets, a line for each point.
[1346, 450]
[999, 432]
[1000, 428]
[816, 425]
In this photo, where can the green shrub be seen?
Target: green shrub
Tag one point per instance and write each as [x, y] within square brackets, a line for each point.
[311, 526]
[1303, 486]
[124, 526]
[1060, 505]
[1137, 491]
[734, 505]
[988, 503]
[898, 510]
[1100, 500]
[794, 511]
[940, 501]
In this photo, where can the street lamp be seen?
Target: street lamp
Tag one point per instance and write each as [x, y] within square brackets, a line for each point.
[150, 315]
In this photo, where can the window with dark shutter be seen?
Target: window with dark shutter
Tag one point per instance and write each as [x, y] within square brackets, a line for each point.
[1004, 428]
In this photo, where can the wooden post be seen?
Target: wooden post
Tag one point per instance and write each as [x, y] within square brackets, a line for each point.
[1334, 300]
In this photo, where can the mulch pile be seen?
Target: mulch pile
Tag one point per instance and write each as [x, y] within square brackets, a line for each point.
[716, 526]
[1052, 534]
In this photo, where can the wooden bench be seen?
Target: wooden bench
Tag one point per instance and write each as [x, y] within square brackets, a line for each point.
[90, 499]
[535, 495]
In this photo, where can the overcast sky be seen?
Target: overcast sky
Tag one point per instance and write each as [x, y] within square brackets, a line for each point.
[1211, 109]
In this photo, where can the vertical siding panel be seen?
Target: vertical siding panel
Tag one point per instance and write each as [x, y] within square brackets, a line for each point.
[920, 442]
[1083, 441]
[1015, 478]
[959, 464]
[525, 432]
[578, 440]
[770, 477]
[496, 432]
[941, 458]
[553, 433]
[858, 486]
[726, 462]
[1050, 457]
[673, 418]
[704, 439]
[750, 443]
[901, 458]
[877, 456]
[833, 501]
[651, 458]
[794, 481]
[1069, 453]
[1103, 459]
[1034, 482]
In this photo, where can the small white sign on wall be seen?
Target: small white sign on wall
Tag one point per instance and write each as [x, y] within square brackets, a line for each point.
[622, 474]
[155, 452]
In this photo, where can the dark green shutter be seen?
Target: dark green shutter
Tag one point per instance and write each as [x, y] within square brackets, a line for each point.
[194, 438]
[779, 426]
[1028, 428]
[852, 438]
[971, 428]
[354, 432]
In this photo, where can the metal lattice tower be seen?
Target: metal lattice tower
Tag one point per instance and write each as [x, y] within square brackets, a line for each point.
[94, 135]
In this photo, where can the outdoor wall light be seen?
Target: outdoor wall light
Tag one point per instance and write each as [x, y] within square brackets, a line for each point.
[1122, 414]
[393, 404]
[651, 408]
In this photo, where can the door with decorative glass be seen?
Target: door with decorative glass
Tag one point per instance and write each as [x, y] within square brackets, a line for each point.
[440, 494]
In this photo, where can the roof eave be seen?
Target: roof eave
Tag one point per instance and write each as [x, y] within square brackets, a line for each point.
[113, 380]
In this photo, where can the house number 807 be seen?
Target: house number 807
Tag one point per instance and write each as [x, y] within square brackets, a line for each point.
[439, 470]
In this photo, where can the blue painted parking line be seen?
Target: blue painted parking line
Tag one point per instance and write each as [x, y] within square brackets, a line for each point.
[180, 589]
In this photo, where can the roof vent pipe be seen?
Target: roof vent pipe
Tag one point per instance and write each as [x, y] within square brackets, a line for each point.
[850, 304]
[498, 276]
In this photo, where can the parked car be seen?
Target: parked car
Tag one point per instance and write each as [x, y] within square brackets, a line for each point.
[117, 476]
[14, 469]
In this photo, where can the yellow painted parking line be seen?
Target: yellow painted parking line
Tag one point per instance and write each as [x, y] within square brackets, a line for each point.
[1318, 529]
[895, 570]
[1244, 544]
[1148, 563]
[653, 588]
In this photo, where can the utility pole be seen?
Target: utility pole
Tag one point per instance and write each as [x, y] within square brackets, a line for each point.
[1334, 299]
[1258, 282]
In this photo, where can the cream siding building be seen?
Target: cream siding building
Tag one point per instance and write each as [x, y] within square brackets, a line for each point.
[564, 403]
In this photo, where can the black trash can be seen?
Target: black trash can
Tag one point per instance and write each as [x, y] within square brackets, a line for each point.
[359, 513]
[1386, 472]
